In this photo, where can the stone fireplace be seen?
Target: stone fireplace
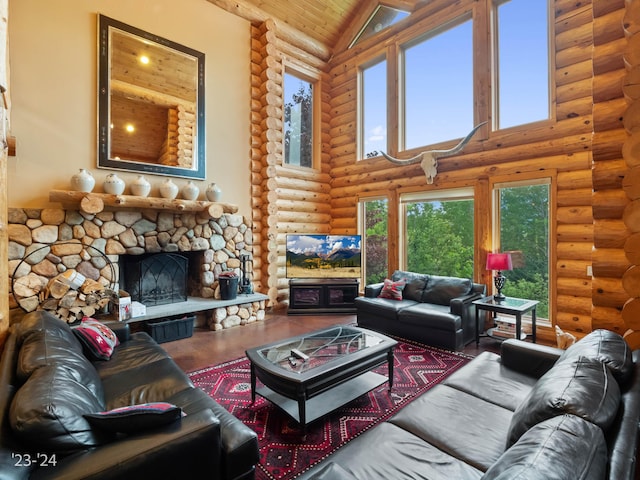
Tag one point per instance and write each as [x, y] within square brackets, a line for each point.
[43, 243]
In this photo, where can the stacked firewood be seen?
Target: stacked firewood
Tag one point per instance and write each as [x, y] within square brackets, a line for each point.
[69, 295]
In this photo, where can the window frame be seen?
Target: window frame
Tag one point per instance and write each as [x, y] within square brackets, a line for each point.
[495, 70]
[483, 17]
[313, 78]
[362, 230]
[448, 194]
[534, 178]
[401, 100]
[360, 103]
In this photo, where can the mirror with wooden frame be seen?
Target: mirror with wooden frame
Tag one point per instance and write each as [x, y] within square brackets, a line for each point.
[150, 103]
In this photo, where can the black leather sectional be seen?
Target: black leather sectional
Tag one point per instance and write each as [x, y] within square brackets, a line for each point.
[434, 310]
[47, 385]
[531, 413]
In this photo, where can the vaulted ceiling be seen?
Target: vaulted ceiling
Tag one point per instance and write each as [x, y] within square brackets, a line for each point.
[332, 24]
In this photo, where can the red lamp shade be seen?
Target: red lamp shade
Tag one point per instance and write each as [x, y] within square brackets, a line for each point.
[499, 261]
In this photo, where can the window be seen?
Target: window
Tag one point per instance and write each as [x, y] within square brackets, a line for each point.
[522, 61]
[298, 121]
[438, 86]
[438, 232]
[382, 17]
[522, 226]
[373, 87]
[375, 247]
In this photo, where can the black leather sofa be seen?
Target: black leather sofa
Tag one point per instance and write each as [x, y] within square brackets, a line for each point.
[534, 412]
[48, 384]
[434, 310]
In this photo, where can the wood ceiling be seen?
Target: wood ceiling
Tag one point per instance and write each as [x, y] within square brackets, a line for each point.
[332, 24]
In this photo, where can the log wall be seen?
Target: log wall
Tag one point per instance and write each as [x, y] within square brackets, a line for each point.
[560, 149]
[631, 180]
[580, 149]
[285, 199]
[608, 169]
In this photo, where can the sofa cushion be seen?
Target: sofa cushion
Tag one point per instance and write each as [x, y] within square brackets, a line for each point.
[41, 348]
[146, 383]
[389, 452]
[562, 447]
[582, 387]
[141, 349]
[454, 422]
[332, 471]
[42, 321]
[43, 340]
[431, 316]
[47, 411]
[607, 347]
[416, 283]
[441, 290]
[392, 290]
[382, 306]
[487, 378]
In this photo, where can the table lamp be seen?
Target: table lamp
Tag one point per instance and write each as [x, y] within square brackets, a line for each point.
[499, 262]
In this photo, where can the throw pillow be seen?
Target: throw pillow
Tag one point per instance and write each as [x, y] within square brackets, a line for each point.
[133, 418]
[582, 387]
[565, 446]
[392, 290]
[47, 411]
[98, 339]
[607, 347]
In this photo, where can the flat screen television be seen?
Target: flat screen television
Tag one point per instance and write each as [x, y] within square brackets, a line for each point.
[323, 256]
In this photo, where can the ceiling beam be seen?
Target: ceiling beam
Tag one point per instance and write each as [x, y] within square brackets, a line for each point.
[286, 32]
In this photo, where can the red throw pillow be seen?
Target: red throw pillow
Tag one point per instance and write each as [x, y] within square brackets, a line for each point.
[98, 339]
[134, 418]
[392, 290]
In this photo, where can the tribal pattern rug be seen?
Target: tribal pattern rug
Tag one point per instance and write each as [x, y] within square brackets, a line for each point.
[285, 452]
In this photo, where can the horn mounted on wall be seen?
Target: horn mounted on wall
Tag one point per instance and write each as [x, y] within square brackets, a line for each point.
[429, 159]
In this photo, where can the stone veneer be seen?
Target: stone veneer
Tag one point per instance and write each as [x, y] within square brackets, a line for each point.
[114, 233]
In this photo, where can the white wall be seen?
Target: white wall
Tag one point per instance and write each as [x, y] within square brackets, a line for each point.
[53, 63]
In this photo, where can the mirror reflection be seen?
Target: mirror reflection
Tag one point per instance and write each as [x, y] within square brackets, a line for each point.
[151, 103]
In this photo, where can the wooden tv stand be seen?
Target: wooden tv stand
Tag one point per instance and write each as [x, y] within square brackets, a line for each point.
[326, 295]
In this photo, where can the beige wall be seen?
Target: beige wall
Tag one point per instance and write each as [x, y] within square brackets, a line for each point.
[53, 91]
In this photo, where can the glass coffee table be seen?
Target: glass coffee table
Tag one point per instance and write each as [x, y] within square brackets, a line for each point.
[313, 374]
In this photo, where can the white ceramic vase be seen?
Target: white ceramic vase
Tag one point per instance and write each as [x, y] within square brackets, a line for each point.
[190, 191]
[113, 184]
[140, 186]
[168, 189]
[83, 181]
[214, 194]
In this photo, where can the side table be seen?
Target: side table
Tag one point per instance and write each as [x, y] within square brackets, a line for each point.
[509, 306]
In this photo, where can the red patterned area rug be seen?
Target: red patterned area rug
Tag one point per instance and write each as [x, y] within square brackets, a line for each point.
[284, 451]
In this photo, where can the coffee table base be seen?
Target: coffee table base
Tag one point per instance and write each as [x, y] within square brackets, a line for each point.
[328, 401]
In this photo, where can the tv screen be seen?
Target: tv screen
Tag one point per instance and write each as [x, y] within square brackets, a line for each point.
[323, 256]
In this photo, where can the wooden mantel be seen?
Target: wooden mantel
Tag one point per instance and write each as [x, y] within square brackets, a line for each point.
[97, 202]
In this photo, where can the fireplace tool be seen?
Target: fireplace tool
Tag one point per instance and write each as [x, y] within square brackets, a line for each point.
[245, 281]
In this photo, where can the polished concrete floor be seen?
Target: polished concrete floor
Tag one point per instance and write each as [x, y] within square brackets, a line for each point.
[207, 347]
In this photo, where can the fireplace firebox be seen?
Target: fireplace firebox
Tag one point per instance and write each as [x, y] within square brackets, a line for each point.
[155, 279]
